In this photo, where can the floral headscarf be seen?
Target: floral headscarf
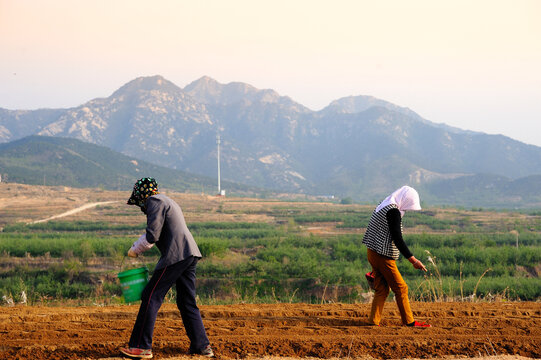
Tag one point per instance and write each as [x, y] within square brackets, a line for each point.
[142, 189]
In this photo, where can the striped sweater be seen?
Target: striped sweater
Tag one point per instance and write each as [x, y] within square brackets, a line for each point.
[378, 235]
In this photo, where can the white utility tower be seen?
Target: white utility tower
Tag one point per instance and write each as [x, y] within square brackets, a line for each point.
[219, 185]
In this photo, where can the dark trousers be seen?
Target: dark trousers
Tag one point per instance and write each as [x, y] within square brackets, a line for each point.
[183, 275]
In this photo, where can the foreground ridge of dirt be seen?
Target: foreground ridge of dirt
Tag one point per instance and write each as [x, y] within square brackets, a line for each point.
[256, 331]
[367, 357]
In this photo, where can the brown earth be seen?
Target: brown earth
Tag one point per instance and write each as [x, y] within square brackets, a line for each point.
[284, 330]
[289, 331]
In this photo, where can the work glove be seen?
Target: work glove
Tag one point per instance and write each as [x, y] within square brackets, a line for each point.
[140, 246]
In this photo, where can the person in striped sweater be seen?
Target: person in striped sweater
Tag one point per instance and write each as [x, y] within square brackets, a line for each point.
[384, 242]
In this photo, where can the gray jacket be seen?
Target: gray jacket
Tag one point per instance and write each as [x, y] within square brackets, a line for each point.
[167, 228]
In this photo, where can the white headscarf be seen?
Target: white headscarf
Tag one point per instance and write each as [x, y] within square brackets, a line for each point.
[405, 198]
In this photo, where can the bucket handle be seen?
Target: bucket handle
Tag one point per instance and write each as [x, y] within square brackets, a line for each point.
[138, 257]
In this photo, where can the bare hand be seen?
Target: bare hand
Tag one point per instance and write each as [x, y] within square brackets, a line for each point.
[419, 265]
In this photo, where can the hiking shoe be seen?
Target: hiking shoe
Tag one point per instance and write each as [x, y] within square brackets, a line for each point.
[371, 279]
[207, 351]
[137, 353]
[419, 324]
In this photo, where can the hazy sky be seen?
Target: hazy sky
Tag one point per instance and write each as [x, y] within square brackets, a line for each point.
[472, 64]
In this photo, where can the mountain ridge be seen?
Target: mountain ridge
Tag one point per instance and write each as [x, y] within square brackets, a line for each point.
[55, 161]
[358, 146]
[44, 160]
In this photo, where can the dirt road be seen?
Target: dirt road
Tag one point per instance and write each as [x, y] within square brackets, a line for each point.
[73, 211]
[289, 330]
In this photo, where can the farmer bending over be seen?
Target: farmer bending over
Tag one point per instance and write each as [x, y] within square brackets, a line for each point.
[384, 241]
[167, 229]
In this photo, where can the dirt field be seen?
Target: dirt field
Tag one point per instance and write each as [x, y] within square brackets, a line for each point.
[289, 331]
[34, 203]
[285, 330]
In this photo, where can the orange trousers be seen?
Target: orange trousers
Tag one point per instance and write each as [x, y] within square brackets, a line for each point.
[388, 277]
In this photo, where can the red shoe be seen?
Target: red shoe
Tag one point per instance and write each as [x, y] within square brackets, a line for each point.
[419, 324]
[371, 279]
[137, 353]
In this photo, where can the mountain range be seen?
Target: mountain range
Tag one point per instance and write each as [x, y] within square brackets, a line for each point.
[358, 146]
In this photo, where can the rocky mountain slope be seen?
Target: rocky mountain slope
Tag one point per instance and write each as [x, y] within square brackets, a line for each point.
[360, 147]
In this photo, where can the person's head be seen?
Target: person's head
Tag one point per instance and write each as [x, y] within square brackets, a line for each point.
[406, 198]
[142, 190]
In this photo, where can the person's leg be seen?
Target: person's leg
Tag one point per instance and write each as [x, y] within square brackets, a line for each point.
[191, 316]
[381, 288]
[151, 301]
[399, 287]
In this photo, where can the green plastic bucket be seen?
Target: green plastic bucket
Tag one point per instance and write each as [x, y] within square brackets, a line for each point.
[133, 282]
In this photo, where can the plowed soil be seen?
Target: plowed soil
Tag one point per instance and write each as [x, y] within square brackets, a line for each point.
[286, 330]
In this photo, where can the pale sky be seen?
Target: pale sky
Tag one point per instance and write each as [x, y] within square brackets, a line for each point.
[473, 64]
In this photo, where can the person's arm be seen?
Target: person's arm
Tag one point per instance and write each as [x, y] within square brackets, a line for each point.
[394, 221]
[155, 219]
[140, 246]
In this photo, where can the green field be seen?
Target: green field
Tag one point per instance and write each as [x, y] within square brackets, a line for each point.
[468, 260]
